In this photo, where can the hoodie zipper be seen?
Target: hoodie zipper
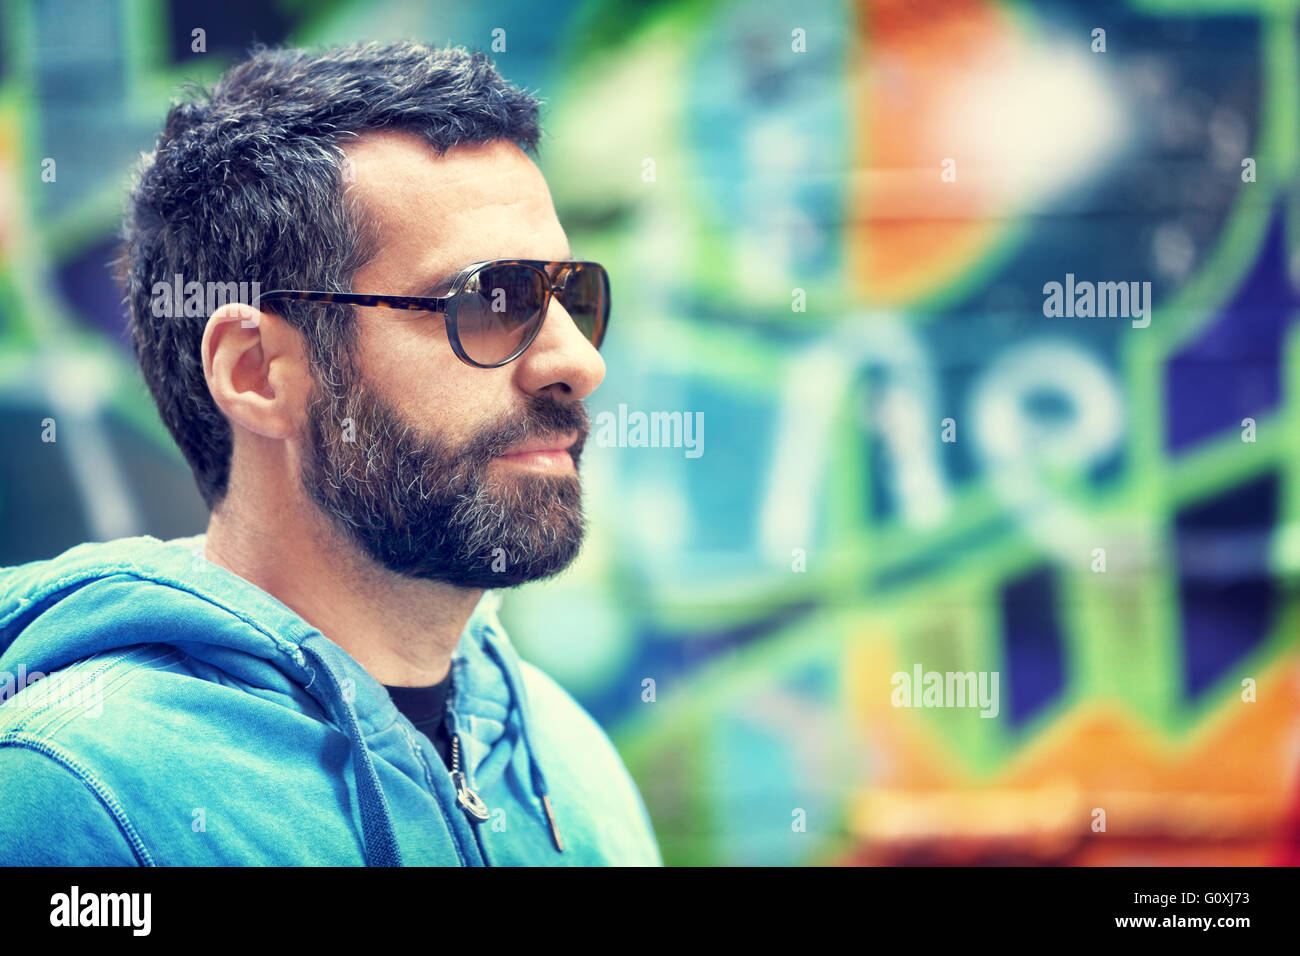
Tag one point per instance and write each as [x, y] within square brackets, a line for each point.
[466, 796]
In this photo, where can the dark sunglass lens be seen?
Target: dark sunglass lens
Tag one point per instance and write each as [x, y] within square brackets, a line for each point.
[586, 298]
[498, 310]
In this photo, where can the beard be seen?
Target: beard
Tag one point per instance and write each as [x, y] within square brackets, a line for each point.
[427, 509]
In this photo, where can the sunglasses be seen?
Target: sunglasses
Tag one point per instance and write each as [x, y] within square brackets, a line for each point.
[494, 309]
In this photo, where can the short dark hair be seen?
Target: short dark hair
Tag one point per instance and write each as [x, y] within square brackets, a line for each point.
[244, 185]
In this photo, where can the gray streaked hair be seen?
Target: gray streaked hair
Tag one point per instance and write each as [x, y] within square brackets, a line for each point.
[245, 185]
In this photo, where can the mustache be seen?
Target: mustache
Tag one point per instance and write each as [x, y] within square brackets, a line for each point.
[544, 417]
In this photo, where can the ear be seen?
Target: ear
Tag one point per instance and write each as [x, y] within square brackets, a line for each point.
[257, 370]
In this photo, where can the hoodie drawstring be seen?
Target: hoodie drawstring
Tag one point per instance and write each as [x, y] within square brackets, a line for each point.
[376, 823]
[535, 770]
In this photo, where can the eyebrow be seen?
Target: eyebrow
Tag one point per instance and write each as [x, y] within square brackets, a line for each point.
[429, 289]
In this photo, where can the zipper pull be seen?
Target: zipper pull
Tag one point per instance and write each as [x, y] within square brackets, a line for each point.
[469, 801]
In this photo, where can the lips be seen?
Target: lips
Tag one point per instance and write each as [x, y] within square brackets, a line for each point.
[560, 444]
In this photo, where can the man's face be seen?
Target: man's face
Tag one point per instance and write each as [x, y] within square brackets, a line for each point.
[420, 476]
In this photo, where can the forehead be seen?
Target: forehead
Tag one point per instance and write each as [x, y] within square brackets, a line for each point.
[435, 213]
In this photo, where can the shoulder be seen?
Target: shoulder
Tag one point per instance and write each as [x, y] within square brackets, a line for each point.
[563, 720]
[579, 747]
[559, 709]
[149, 756]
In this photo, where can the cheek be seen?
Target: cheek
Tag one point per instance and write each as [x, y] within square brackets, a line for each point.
[412, 365]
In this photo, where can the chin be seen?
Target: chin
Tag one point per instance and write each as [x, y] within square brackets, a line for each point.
[486, 578]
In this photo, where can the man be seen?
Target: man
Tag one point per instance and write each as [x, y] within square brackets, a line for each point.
[322, 678]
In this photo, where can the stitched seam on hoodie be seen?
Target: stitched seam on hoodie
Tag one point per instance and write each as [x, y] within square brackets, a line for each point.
[94, 784]
[26, 604]
[80, 577]
[118, 682]
[86, 576]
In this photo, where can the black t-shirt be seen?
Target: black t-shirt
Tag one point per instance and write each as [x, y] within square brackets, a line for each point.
[425, 707]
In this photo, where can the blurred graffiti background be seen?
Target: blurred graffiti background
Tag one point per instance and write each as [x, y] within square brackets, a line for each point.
[829, 227]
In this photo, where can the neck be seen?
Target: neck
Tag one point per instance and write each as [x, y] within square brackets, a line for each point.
[401, 630]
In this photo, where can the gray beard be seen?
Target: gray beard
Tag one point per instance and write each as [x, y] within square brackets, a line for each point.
[423, 509]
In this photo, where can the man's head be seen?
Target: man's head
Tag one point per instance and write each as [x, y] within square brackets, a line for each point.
[379, 169]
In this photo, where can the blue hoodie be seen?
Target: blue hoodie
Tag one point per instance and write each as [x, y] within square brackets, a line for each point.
[161, 711]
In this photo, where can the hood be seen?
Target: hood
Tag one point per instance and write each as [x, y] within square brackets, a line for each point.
[90, 600]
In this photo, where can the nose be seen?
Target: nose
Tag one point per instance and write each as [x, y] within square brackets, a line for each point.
[561, 359]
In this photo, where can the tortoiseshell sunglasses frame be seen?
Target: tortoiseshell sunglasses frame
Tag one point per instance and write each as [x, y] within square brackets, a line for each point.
[446, 305]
